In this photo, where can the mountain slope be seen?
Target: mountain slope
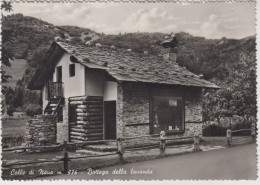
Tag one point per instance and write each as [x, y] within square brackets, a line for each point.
[30, 34]
[16, 71]
[230, 63]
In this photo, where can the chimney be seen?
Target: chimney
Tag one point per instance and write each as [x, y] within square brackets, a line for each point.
[169, 49]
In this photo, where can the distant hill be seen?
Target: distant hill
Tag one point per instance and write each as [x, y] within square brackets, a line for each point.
[150, 42]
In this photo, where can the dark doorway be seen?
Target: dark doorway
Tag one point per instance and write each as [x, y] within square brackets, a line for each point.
[110, 119]
[59, 74]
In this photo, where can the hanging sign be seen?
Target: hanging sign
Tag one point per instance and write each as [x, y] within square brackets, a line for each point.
[172, 102]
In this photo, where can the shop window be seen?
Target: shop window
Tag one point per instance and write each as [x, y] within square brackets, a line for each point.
[168, 114]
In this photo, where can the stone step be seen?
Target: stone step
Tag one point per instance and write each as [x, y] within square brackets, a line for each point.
[89, 138]
[79, 138]
[113, 143]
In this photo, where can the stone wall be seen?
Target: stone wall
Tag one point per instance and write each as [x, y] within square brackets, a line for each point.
[193, 107]
[193, 113]
[89, 118]
[132, 110]
[136, 130]
[193, 128]
[41, 130]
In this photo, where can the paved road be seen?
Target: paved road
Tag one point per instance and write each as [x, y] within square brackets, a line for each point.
[229, 163]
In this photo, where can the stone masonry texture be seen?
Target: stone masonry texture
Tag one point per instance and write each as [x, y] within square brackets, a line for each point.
[41, 130]
[132, 109]
[193, 107]
[133, 112]
[193, 113]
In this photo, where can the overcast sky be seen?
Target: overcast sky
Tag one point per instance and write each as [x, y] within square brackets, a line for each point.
[211, 20]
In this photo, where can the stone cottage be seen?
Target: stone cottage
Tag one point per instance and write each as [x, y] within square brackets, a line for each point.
[105, 93]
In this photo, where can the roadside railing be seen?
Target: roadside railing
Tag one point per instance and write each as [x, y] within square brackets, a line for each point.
[162, 143]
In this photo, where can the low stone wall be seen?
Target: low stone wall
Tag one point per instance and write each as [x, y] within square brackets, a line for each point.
[41, 130]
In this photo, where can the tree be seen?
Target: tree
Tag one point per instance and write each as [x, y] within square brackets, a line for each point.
[238, 93]
[6, 6]
[19, 83]
[10, 110]
[6, 56]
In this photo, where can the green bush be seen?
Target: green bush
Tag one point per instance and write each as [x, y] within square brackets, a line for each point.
[33, 109]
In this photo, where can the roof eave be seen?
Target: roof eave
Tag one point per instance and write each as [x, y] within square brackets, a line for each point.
[37, 82]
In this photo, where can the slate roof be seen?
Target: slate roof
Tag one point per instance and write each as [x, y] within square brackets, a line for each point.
[134, 67]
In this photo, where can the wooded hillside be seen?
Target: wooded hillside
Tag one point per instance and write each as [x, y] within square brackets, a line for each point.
[230, 63]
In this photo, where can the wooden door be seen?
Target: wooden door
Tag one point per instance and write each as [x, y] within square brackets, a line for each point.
[110, 119]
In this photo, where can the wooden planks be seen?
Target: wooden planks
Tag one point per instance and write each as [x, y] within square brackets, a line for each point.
[89, 118]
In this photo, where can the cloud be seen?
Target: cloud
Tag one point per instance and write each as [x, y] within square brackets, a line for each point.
[97, 27]
[217, 26]
[56, 13]
[67, 14]
[150, 20]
